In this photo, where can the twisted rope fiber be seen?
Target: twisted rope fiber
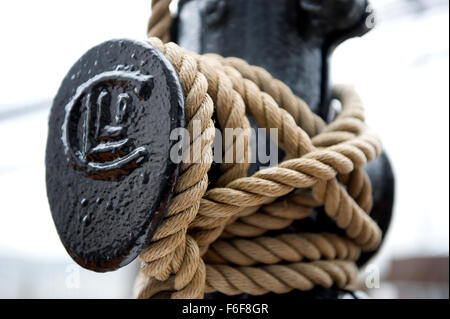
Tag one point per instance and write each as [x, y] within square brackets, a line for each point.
[344, 128]
[316, 166]
[185, 252]
[281, 215]
[171, 251]
[283, 212]
[285, 247]
[160, 20]
[323, 164]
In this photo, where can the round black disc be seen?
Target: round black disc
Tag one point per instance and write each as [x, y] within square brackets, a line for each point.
[108, 169]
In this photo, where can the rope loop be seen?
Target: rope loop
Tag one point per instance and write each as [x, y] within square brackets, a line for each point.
[213, 237]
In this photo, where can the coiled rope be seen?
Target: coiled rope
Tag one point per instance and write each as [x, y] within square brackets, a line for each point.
[213, 239]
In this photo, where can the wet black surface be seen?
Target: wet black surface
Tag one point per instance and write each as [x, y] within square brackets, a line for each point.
[291, 39]
[108, 169]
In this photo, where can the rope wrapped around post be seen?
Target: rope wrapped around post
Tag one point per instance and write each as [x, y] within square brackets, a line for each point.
[241, 206]
[213, 239]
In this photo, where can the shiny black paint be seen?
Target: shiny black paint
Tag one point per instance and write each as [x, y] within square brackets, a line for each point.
[110, 181]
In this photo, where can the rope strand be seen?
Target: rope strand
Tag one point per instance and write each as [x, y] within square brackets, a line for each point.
[213, 239]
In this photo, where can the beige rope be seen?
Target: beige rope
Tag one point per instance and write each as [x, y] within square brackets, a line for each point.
[224, 226]
[286, 247]
[160, 20]
[279, 278]
[319, 165]
[280, 92]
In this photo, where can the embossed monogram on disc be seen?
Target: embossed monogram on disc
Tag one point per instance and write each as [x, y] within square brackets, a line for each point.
[95, 127]
[109, 173]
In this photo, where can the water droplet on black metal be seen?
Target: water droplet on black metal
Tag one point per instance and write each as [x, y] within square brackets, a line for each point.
[86, 219]
[109, 124]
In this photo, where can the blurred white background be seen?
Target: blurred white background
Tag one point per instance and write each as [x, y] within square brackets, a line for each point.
[400, 69]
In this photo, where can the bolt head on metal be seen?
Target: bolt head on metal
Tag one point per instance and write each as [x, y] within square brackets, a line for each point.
[108, 170]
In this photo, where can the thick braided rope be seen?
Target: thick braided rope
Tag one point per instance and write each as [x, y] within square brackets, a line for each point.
[160, 20]
[274, 216]
[280, 92]
[285, 247]
[280, 215]
[167, 253]
[167, 249]
[319, 165]
[230, 110]
[283, 212]
[159, 26]
[356, 181]
[318, 170]
[279, 278]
